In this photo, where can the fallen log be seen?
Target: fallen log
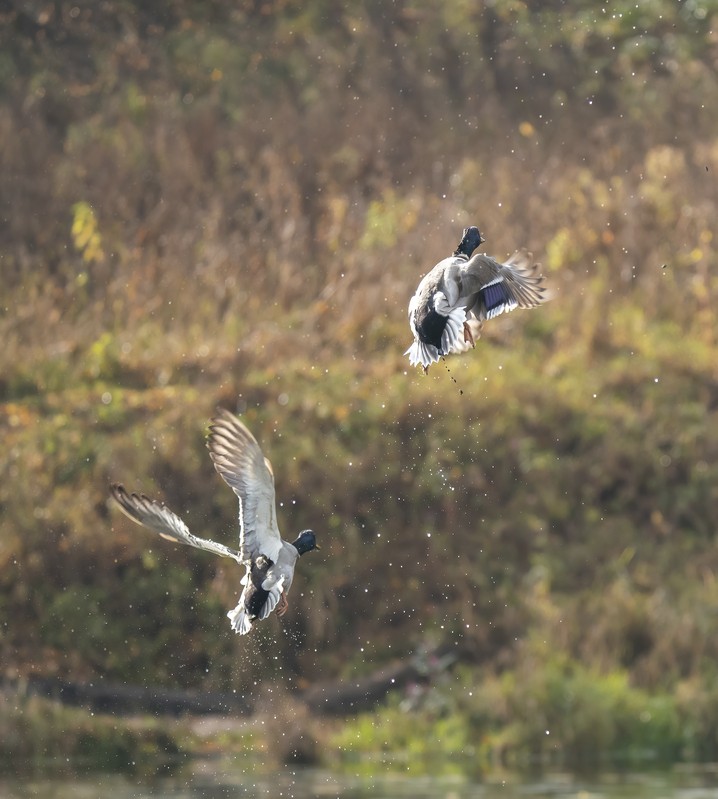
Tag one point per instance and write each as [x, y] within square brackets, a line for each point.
[347, 697]
[336, 698]
[118, 698]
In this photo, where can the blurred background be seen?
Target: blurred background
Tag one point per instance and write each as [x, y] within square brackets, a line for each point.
[207, 203]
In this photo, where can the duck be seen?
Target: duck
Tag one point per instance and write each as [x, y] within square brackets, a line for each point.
[453, 300]
[269, 560]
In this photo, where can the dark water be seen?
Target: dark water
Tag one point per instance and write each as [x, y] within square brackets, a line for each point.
[213, 779]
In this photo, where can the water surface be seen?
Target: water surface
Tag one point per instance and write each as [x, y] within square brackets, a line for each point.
[212, 779]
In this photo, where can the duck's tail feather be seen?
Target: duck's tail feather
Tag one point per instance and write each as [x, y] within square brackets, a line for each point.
[240, 620]
[422, 354]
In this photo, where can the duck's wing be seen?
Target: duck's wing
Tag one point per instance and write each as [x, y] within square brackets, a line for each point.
[240, 463]
[489, 287]
[159, 518]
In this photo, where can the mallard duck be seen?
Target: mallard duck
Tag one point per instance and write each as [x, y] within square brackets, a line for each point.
[460, 292]
[269, 560]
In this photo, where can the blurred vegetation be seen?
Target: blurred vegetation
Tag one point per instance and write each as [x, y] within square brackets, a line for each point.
[210, 203]
[41, 736]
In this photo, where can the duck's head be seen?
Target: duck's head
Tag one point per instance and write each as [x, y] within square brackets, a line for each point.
[471, 240]
[306, 541]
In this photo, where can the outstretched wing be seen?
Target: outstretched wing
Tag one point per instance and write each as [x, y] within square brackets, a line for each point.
[241, 464]
[159, 518]
[490, 288]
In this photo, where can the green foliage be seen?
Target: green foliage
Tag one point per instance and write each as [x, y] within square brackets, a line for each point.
[387, 219]
[563, 711]
[102, 361]
[548, 710]
[85, 233]
[43, 736]
[432, 741]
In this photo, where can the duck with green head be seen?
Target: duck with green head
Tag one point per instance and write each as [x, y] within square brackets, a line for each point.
[452, 301]
[269, 560]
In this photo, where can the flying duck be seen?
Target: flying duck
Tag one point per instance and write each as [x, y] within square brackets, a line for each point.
[269, 561]
[453, 299]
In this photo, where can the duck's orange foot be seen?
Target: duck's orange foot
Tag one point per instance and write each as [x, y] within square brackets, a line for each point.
[283, 605]
[468, 335]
